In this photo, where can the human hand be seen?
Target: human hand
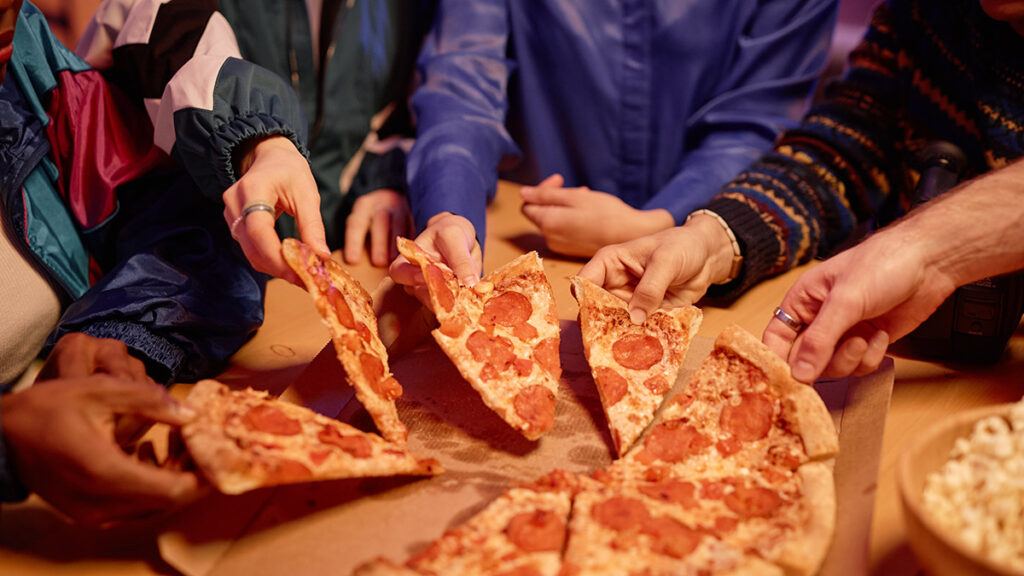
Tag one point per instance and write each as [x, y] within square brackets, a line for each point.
[675, 266]
[276, 174]
[853, 304]
[383, 214]
[570, 218]
[60, 439]
[450, 238]
[76, 355]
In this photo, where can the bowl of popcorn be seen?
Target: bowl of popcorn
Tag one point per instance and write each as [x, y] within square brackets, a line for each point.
[962, 485]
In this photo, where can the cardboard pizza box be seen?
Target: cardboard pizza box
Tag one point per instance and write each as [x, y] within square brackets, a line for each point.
[331, 527]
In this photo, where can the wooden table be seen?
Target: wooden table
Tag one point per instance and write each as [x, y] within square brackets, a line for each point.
[34, 540]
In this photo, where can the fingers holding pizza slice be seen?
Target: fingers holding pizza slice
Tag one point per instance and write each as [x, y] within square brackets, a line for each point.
[347, 310]
[502, 335]
[633, 365]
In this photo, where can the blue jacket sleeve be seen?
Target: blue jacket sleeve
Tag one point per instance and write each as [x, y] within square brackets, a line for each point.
[177, 289]
[460, 110]
[182, 58]
[771, 76]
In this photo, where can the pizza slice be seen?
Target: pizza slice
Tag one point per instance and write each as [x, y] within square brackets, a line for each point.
[741, 406]
[521, 533]
[502, 334]
[760, 444]
[242, 440]
[347, 310]
[617, 529]
[633, 365]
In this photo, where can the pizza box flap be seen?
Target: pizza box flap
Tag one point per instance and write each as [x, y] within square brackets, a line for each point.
[332, 527]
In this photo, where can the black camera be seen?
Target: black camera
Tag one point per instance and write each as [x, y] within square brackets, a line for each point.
[975, 322]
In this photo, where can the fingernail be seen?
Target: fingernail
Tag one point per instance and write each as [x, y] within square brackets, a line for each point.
[803, 371]
[469, 281]
[637, 315]
[186, 412]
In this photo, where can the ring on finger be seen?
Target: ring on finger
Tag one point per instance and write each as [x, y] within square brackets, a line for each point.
[249, 208]
[790, 322]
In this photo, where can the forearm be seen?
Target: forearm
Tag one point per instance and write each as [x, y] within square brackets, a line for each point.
[974, 231]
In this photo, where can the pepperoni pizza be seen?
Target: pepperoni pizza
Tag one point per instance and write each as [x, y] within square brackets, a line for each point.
[347, 310]
[521, 533]
[242, 440]
[734, 479]
[502, 334]
[633, 365]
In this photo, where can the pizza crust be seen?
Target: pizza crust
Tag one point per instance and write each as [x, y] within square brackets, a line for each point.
[804, 553]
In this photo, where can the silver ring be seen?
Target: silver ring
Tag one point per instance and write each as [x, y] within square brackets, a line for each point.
[792, 323]
[249, 208]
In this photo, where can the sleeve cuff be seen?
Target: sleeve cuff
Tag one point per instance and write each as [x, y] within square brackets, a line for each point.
[163, 359]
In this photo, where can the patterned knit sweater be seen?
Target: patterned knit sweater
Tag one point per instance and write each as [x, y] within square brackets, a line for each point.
[926, 70]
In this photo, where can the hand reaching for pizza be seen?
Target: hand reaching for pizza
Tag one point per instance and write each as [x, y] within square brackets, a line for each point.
[274, 174]
[451, 237]
[675, 266]
[566, 217]
[60, 440]
[383, 215]
[76, 355]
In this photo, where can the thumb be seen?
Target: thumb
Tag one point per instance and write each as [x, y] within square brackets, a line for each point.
[648, 295]
[554, 181]
[311, 224]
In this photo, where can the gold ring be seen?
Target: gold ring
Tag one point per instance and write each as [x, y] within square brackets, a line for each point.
[792, 323]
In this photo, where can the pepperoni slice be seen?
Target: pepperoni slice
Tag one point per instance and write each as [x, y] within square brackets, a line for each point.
[364, 332]
[538, 531]
[270, 419]
[523, 366]
[546, 354]
[284, 471]
[524, 331]
[318, 456]
[356, 446]
[672, 490]
[341, 307]
[453, 326]
[621, 513]
[536, 406]
[657, 384]
[637, 351]
[729, 446]
[612, 385]
[674, 441]
[388, 388]
[724, 525]
[373, 368]
[669, 537]
[438, 286]
[749, 420]
[507, 309]
[752, 501]
[494, 350]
